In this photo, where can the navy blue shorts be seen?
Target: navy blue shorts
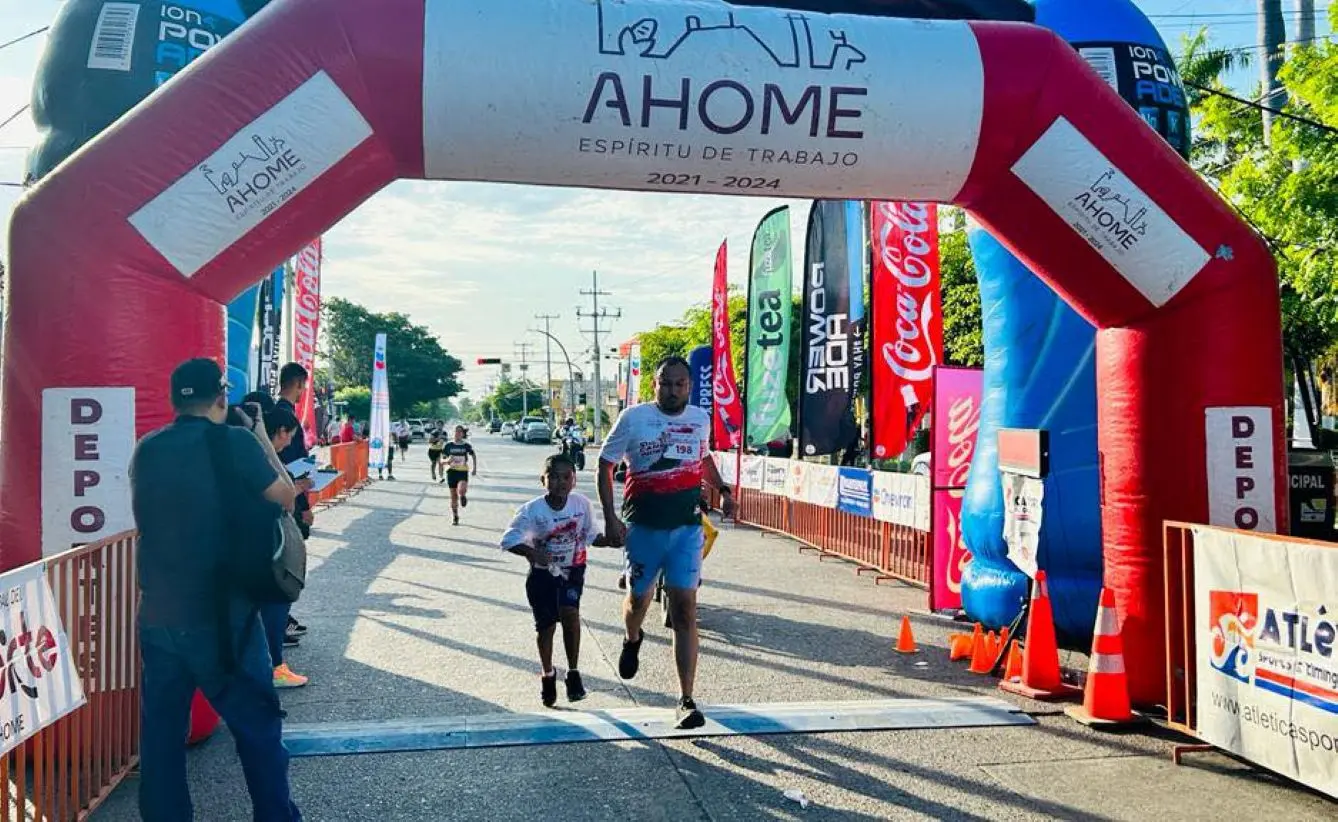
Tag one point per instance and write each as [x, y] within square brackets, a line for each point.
[549, 594]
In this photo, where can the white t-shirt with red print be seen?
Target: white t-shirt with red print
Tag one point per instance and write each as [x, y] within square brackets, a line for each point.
[564, 534]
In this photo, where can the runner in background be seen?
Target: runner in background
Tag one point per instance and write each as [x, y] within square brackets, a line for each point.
[667, 448]
[435, 442]
[455, 458]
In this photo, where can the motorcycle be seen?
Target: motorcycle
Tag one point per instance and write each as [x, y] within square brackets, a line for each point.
[574, 447]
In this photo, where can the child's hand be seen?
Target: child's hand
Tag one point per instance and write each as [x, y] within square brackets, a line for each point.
[539, 556]
[600, 541]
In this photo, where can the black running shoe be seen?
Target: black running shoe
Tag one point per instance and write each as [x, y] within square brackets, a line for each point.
[290, 641]
[455, 520]
[575, 688]
[548, 689]
[688, 715]
[464, 501]
[296, 628]
[627, 660]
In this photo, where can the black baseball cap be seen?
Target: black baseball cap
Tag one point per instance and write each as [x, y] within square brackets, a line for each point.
[197, 380]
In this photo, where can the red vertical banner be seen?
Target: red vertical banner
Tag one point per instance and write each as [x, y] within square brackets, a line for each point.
[955, 422]
[728, 415]
[306, 325]
[907, 320]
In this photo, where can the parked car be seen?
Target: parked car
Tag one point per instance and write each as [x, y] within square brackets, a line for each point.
[418, 429]
[494, 425]
[508, 429]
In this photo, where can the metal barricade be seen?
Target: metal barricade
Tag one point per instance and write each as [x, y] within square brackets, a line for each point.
[68, 768]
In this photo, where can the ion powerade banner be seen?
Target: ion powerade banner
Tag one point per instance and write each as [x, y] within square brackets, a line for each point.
[728, 416]
[770, 287]
[907, 320]
[1040, 364]
[826, 364]
[379, 429]
[271, 330]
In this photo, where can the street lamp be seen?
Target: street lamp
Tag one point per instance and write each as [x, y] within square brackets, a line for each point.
[571, 372]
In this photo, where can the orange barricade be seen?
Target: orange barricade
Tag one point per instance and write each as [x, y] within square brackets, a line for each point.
[69, 767]
[350, 460]
[892, 551]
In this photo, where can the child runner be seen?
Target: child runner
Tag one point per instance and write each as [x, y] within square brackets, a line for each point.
[435, 442]
[455, 457]
[552, 532]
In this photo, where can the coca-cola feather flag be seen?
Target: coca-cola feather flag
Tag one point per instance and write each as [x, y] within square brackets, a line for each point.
[907, 320]
[728, 412]
[306, 325]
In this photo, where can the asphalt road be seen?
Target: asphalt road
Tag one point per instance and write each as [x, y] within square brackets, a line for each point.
[411, 617]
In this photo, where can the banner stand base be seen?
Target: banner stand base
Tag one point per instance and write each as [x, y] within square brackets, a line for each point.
[1065, 691]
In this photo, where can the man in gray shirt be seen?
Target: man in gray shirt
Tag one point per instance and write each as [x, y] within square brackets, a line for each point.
[195, 632]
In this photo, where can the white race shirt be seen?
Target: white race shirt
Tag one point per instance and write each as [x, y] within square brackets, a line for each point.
[565, 534]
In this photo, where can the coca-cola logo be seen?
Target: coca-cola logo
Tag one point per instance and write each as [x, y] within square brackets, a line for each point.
[720, 387]
[958, 555]
[963, 423]
[903, 249]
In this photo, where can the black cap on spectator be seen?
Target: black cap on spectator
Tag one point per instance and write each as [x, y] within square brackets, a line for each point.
[197, 381]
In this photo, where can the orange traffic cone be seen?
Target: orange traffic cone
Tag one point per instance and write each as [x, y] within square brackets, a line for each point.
[906, 640]
[959, 647]
[1040, 652]
[1106, 697]
[1013, 668]
[982, 654]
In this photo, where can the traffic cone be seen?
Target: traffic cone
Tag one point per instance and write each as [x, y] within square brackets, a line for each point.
[1013, 668]
[959, 647]
[1040, 652]
[982, 654]
[1106, 697]
[906, 640]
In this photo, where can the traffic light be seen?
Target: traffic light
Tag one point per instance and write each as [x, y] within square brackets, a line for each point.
[490, 360]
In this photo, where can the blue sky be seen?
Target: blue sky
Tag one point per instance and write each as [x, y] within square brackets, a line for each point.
[475, 262]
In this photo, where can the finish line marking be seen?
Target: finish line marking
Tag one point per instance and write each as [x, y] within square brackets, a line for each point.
[561, 726]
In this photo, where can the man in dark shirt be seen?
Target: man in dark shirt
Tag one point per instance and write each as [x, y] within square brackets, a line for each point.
[194, 634]
[292, 382]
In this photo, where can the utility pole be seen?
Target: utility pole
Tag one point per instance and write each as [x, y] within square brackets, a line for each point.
[548, 355]
[598, 315]
[524, 349]
[1272, 34]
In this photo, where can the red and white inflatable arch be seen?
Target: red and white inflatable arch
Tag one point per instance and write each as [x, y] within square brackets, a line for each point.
[123, 258]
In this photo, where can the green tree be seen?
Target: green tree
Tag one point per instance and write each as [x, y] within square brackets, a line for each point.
[358, 399]
[507, 401]
[418, 369]
[692, 330]
[962, 341]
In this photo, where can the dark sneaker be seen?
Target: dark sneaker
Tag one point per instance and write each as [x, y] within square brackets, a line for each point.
[455, 520]
[296, 628]
[627, 660]
[688, 715]
[575, 688]
[464, 501]
[290, 641]
[622, 582]
[548, 689]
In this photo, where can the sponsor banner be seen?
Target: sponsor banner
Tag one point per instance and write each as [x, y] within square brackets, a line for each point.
[699, 96]
[957, 393]
[306, 326]
[796, 480]
[768, 349]
[727, 463]
[88, 437]
[856, 257]
[901, 499]
[1108, 210]
[854, 491]
[907, 320]
[1146, 77]
[255, 172]
[1267, 672]
[1023, 501]
[820, 485]
[1240, 468]
[271, 329]
[728, 416]
[950, 552]
[379, 425]
[775, 476]
[41, 679]
[752, 470]
[699, 363]
[826, 378]
[634, 375]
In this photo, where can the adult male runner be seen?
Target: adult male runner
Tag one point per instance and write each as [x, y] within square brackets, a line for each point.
[456, 456]
[667, 448]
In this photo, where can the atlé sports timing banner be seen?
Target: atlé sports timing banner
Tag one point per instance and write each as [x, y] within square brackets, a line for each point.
[907, 320]
[728, 413]
[306, 324]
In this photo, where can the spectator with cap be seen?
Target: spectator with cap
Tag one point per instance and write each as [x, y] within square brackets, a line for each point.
[193, 632]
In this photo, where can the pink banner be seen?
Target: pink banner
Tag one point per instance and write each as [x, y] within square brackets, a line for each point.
[728, 414]
[306, 325]
[955, 421]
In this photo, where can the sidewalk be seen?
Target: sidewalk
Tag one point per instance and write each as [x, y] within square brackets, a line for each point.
[410, 617]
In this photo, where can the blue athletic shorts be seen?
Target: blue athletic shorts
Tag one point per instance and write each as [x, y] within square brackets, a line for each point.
[677, 552]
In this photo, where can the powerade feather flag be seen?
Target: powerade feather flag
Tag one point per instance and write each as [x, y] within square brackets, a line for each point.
[770, 285]
[699, 363]
[826, 375]
[728, 417]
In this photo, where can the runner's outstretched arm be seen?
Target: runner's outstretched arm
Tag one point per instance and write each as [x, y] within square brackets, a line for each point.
[612, 532]
[714, 479]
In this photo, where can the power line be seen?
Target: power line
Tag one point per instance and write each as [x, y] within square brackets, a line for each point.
[1261, 107]
[598, 315]
[11, 118]
[21, 38]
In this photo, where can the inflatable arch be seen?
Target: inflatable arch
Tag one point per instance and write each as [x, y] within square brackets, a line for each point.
[123, 258]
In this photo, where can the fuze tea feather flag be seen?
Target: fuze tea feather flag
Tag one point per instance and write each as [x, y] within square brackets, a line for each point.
[770, 286]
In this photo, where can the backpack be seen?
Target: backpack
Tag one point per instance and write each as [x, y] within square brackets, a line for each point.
[260, 562]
